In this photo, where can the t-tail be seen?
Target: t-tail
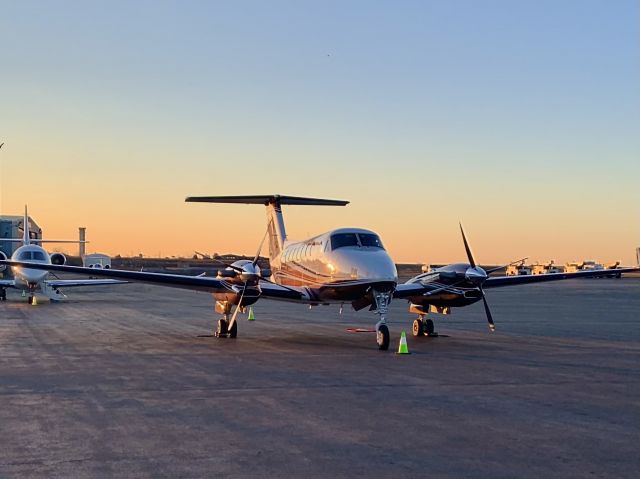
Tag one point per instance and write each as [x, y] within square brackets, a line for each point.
[275, 222]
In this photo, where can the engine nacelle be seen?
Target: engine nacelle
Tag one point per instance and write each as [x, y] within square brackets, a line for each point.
[58, 259]
[227, 273]
[3, 257]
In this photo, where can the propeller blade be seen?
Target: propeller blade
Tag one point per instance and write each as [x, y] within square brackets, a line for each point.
[235, 312]
[255, 260]
[466, 247]
[492, 326]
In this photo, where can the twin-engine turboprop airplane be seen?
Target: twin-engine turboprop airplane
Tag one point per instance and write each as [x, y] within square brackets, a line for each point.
[346, 265]
[31, 281]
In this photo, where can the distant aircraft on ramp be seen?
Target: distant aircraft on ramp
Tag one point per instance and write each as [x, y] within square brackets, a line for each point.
[31, 281]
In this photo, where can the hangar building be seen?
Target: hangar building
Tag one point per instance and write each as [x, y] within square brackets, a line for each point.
[11, 227]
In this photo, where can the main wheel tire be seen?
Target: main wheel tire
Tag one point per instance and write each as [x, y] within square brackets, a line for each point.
[221, 331]
[417, 328]
[232, 332]
[382, 337]
[429, 327]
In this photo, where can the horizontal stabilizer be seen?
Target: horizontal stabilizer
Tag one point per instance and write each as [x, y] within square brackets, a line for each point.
[265, 200]
[34, 240]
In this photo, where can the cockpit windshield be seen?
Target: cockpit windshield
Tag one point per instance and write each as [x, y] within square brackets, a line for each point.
[343, 239]
[367, 240]
[31, 256]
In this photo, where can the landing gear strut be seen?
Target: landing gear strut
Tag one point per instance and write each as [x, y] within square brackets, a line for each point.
[3, 294]
[382, 300]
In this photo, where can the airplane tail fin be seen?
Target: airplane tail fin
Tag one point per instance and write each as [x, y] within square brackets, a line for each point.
[275, 221]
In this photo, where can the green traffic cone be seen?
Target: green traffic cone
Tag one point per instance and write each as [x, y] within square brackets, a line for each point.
[403, 348]
[251, 317]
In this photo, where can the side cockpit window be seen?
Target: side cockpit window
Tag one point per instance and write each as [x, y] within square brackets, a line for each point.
[370, 240]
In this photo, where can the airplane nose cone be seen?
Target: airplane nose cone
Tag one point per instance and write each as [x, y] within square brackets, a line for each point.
[364, 265]
[31, 275]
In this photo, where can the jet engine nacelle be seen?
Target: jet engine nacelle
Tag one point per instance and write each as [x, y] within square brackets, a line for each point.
[58, 259]
[3, 257]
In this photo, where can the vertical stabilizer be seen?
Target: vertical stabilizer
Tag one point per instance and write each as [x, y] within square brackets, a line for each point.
[275, 228]
[25, 228]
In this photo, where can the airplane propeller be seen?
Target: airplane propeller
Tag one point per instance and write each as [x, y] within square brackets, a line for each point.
[249, 272]
[476, 275]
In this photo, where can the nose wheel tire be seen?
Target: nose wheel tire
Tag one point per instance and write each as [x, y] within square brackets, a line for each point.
[418, 327]
[382, 337]
[30, 300]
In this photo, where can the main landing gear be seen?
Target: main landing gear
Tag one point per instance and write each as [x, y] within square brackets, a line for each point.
[423, 327]
[222, 329]
[382, 300]
[3, 294]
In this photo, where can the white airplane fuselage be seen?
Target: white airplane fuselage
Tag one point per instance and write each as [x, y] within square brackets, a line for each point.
[339, 265]
[26, 278]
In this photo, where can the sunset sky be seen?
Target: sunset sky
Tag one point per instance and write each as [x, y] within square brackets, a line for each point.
[519, 118]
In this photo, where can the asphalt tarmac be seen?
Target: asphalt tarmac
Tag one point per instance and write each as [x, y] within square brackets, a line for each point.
[125, 381]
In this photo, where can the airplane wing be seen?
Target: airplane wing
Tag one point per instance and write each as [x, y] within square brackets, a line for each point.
[198, 283]
[7, 283]
[417, 288]
[496, 281]
[289, 293]
[70, 283]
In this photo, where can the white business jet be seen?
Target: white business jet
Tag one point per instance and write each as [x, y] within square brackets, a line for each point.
[31, 281]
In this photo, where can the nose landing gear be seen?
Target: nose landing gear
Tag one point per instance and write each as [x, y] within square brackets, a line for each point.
[382, 300]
